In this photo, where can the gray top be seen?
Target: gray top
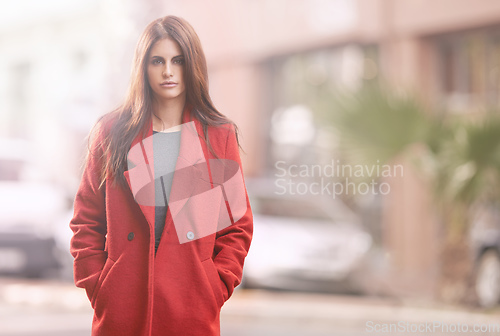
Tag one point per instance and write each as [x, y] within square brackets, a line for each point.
[166, 147]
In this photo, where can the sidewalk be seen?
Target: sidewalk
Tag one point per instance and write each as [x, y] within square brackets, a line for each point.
[297, 314]
[48, 294]
[350, 310]
[257, 305]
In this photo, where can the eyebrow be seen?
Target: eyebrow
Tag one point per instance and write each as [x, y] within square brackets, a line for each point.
[155, 56]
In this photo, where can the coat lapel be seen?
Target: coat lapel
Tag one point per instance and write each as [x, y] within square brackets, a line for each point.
[141, 180]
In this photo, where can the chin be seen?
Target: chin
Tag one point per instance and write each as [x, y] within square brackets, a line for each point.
[170, 97]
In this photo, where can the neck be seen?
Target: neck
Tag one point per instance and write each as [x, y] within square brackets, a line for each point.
[170, 113]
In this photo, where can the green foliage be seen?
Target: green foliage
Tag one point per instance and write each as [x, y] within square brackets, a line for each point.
[469, 162]
[376, 125]
[460, 157]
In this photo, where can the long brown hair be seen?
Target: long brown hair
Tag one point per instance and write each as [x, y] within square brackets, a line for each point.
[136, 111]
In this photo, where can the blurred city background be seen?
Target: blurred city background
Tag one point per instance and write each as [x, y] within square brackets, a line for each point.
[371, 137]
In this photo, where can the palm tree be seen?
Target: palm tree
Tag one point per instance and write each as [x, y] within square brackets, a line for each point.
[467, 177]
[460, 159]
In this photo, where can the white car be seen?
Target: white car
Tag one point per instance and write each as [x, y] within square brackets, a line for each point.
[28, 212]
[304, 243]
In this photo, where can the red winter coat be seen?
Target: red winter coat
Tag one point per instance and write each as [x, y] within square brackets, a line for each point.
[199, 261]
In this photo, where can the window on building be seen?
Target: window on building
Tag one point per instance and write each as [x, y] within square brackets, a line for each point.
[20, 81]
[300, 88]
[469, 66]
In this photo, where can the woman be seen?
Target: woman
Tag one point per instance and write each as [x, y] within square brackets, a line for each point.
[162, 221]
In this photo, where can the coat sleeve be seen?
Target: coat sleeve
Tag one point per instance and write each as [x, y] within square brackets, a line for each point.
[89, 223]
[233, 242]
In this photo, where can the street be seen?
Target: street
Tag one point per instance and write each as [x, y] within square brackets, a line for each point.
[43, 308]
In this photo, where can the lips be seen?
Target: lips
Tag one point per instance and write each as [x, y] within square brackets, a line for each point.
[168, 84]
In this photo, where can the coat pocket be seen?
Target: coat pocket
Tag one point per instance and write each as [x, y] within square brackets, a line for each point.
[214, 280]
[104, 273]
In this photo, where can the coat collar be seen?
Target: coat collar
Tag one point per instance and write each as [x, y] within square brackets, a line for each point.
[140, 179]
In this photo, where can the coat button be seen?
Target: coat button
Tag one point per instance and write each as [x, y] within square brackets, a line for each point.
[190, 235]
[131, 236]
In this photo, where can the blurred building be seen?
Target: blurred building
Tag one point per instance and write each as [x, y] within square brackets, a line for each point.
[53, 66]
[265, 58]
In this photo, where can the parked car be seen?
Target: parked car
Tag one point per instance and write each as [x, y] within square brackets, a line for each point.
[485, 244]
[28, 211]
[488, 274]
[304, 243]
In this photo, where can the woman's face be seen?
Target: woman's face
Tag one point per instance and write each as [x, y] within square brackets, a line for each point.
[166, 70]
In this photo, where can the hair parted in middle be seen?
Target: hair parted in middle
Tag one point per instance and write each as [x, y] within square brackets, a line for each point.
[137, 109]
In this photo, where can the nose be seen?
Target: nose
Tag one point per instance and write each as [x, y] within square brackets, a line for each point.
[167, 71]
